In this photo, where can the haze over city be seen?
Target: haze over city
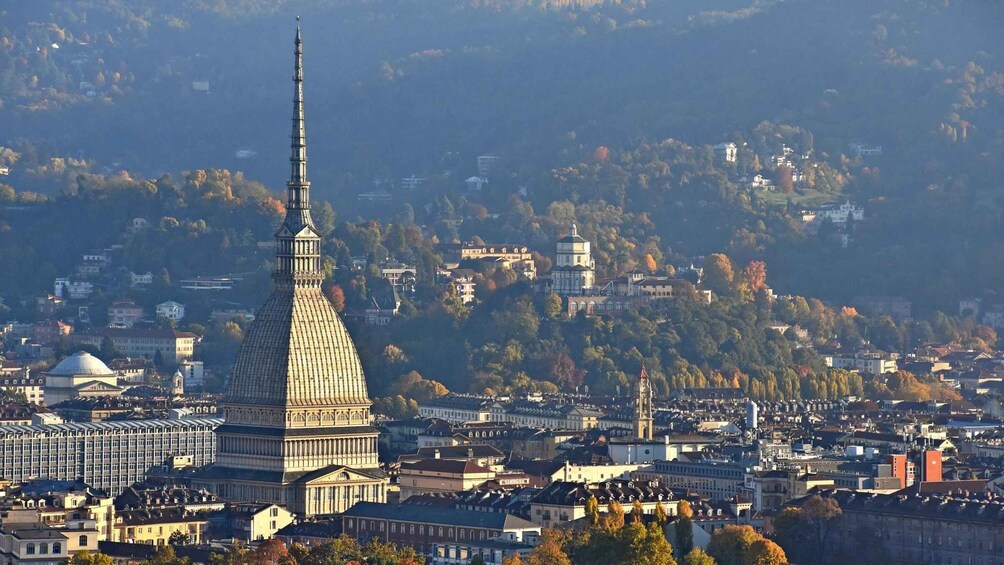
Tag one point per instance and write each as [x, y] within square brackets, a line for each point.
[494, 282]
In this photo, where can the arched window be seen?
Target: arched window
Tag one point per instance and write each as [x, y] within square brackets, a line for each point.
[43, 548]
[30, 549]
[83, 541]
[463, 534]
[56, 548]
[362, 524]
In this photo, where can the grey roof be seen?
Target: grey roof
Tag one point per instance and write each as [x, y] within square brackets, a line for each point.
[576, 493]
[444, 516]
[81, 363]
[460, 402]
[97, 428]
[453, 452]
[935, 507]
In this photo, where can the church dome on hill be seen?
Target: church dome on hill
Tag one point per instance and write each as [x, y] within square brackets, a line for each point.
[81, 363]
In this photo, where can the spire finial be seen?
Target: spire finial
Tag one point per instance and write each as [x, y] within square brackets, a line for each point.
[297, 253]
[298, 146]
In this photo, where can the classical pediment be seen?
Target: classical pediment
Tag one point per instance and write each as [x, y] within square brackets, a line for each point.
[335, 475]
[97, 386]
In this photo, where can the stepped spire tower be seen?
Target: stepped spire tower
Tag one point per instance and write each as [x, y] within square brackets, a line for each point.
[298, 252]
[297, 429]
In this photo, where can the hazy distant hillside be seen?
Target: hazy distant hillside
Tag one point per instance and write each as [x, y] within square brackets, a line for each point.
[393, 85]
[401, 87]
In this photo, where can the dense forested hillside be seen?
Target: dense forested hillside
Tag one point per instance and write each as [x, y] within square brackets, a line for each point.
[601, 112]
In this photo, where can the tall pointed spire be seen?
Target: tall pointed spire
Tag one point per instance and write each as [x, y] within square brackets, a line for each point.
[298, 250]
[297, 406]
[298, 139]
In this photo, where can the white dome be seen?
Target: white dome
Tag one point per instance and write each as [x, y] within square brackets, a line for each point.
[81, 363]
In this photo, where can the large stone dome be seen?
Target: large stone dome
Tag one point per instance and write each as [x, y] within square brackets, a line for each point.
[297, 352]
[81, 363]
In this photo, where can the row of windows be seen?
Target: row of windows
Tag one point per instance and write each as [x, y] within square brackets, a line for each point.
[373, 526]
[43, 548]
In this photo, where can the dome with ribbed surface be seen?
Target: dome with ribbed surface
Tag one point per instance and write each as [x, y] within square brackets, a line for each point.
[297, 353]
[81, 363]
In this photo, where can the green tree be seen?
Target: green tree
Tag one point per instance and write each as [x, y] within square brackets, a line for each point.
[765, 552]
[646, 545]
[684, 528]
[614, 518]
[718, 274]
[637, 512]
[730, 544]
[178, 538]
[337, 550]
[592, 511]
[236, 554]
[802, 531]
[698, 557]
[660, 514]
[549, 551]
[108, 350]
[552, 305]
[165, 556]
[86, 558]
[324, 218]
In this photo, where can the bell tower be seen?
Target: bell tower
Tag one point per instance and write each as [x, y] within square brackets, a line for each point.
[643, 420]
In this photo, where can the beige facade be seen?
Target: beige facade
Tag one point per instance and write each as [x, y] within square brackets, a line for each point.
[35, 543]
[65, 508]
[254, 522]
[505, 255]
[124, 313]
[431, 476]
[715, 480]
[574, 270]
[21, 381]
[174, 346]
[155, 527]
[596, 473]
